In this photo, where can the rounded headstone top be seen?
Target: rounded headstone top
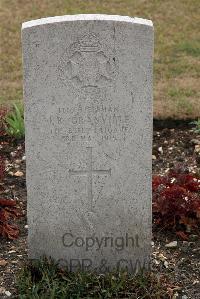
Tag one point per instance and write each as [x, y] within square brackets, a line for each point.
[86, 17]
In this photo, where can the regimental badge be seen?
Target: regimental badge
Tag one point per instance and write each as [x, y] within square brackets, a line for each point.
[86, 63]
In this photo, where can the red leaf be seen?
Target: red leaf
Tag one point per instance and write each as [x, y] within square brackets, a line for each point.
[7, 203]
[176, 200]
[10, 231]
[182, 235]
[8, 212]
[2, 168]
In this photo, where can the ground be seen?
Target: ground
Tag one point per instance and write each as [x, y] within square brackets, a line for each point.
[171, 145]
[177, 46]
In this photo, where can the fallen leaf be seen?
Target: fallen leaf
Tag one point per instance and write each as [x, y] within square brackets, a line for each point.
[7, 293]
[3, 262]
[7, 202]
[182, 235]
[18, 161]
[11, 251]
[162, 257]
[2, 290]
[18, 173]
[172, 244]
[166, 264]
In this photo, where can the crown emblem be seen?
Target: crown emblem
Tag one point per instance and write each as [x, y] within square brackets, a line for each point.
[87, 43]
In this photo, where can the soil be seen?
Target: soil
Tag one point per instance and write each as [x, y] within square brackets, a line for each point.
[173, 143]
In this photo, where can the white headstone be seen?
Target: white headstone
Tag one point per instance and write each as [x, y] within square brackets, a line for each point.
[88, 110]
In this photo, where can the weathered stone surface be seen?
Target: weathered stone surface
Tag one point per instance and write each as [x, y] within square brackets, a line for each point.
[88, 99]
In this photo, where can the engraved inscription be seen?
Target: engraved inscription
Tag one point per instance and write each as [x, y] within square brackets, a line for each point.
[89, 172]
[85, 63]
[90, 121]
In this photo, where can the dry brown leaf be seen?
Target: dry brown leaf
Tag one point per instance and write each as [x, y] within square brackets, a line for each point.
[3, 263]
[2, 290]
[18, 173]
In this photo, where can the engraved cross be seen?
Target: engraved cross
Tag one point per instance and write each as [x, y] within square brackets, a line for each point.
[89, 172]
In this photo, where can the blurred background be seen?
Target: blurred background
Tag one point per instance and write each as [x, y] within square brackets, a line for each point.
[177, 46]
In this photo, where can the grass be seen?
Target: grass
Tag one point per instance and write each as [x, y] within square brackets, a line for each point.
[44, 280]
[177, 45]
[15, 121]
[191, 48]
[179, 92]
[196, 124]
[180, 98]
